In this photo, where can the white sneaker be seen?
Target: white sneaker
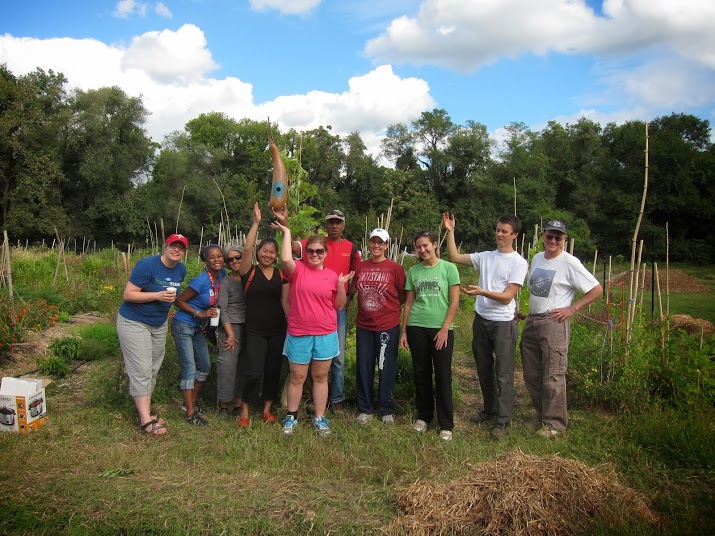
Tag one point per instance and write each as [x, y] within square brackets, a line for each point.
[388, 420]
[419, 426]
[364, 418]
[446, 435]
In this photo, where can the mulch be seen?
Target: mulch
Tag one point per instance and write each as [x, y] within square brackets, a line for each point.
[519, 494]
[678, 281]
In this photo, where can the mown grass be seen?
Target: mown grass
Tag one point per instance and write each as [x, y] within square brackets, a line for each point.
[222, 480]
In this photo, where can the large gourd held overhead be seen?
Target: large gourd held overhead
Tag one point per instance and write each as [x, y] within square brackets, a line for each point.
[279, 188]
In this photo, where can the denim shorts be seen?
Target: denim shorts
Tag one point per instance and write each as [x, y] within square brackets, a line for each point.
[192, 351]
[301, 349]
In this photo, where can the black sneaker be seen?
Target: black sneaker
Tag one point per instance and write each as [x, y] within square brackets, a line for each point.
[198, 408]
[482, 417]
[197, 420]
[223, 414]
[500, 430]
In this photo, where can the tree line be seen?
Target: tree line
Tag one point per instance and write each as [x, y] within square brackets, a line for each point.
[81, 162]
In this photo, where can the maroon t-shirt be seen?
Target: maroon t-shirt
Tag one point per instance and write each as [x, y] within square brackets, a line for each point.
[381, 293]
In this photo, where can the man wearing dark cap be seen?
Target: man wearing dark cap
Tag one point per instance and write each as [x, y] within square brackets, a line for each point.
[555, 278]
[343, 257]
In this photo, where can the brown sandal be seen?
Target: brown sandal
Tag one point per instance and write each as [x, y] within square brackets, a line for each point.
[154, 426]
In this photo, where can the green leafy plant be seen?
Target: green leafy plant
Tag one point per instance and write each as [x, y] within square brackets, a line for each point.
[66, 348]
[53, 366]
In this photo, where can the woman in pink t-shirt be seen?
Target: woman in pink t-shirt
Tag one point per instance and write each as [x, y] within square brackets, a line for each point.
[312, 336]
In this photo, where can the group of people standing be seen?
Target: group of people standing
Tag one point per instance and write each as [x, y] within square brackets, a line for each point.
[299, 311]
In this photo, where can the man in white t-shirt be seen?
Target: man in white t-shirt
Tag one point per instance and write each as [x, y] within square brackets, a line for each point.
[495, 329]
[555, 278]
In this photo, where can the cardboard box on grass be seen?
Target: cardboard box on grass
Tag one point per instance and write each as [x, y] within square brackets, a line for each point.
[23, 404]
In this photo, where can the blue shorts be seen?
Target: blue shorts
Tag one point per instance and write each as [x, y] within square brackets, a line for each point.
[301, 349]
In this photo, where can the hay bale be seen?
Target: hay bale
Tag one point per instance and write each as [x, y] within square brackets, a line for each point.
[517, 494]
[691, 326]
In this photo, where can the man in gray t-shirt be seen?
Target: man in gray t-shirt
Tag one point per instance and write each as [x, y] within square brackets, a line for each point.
[555, 278]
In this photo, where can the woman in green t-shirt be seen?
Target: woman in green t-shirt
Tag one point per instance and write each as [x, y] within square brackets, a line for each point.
[432, 302]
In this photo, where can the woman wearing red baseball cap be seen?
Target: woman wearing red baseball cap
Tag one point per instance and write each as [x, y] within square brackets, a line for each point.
[142, 324]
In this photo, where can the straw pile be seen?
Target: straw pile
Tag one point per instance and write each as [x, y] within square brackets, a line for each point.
[691, 326]
[518, 494]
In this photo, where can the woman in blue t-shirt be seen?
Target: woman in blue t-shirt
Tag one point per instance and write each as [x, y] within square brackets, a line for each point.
[142, 324]
[197, 304]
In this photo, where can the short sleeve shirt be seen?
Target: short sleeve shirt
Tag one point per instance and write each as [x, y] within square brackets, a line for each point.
[381, 293]
[496, 272]
[553, 283]
[431, 287]
[151, 275]
[312, 301]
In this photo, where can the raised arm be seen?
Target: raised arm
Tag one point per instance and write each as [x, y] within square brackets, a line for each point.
[282, 217]
[453, 253]
[247, 260]
[286, 252]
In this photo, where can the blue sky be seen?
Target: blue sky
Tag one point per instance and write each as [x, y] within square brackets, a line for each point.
[363, 65]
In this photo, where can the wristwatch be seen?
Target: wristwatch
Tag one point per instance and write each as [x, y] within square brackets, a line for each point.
[196, 313]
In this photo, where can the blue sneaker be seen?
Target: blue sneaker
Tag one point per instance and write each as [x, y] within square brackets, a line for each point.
[289, 424]
[321, 426]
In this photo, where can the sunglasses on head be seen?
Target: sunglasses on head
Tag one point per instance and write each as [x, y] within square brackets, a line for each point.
[555, 238]
[318, 251]
[236, 258]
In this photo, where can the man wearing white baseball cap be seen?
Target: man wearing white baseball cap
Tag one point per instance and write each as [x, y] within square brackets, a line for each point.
[380, 285]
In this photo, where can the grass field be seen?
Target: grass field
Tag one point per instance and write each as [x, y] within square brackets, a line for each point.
[91, 471]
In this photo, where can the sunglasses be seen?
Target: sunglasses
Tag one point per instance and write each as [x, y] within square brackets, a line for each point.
[236, 258]
[555, 238]
[428, 234]
[311, 251]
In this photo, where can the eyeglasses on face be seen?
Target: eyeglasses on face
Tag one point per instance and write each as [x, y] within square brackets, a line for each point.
[236, 258]
[554, 238]
[318, 251]
[177, 246]
[335, 221]
[377, 242]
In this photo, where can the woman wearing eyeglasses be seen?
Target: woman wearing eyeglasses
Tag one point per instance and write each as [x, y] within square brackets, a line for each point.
[266, 294]
[197, 304]
[142, 324]
[312, 339]
[432, 302]
[230, 335]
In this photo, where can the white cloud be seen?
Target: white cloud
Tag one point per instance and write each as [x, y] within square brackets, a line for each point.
[169, 56]
[483, 32]
[289, 7]
[126, 8]
[163, 10]
[168, 70]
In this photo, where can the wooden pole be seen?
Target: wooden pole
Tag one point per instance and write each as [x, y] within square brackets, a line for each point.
[667, 279]
[631, 297]
[8, 273]
[660, 307]
[178, 214]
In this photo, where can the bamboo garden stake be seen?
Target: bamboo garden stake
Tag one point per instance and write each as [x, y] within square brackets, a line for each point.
[631, 298]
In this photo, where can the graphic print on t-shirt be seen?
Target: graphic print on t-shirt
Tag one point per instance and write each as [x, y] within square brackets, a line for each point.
[540, 282]
[429, 287]
[373, 286]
